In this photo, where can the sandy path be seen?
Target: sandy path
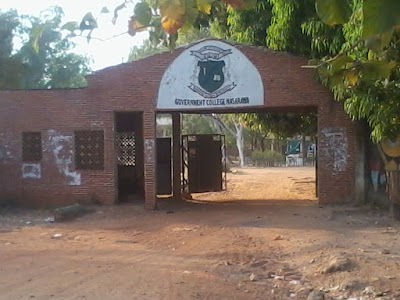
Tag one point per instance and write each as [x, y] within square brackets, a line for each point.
[204, 250]
[262, 184]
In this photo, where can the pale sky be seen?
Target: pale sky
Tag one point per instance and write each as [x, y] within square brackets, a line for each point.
[103, 53]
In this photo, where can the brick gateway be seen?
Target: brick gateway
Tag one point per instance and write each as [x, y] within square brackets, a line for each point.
[58, 147]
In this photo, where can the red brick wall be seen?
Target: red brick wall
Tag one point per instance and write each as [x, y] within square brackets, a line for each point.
[134, 87]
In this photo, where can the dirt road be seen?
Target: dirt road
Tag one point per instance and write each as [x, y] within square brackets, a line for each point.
[266, 238]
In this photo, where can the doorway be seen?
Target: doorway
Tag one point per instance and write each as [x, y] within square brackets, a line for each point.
[129, 156]
[271, 167]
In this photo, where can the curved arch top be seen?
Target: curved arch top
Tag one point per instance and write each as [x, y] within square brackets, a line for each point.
[210, 75]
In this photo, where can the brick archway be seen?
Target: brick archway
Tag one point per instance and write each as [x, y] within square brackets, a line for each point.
[134, 87]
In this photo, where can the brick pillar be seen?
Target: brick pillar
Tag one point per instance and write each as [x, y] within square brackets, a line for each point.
[149, 134]
[337, 154]
[176, 154]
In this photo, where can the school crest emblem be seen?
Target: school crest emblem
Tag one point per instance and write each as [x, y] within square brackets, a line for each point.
[211, 67]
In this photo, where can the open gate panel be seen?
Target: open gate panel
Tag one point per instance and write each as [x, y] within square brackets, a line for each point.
[203, 163]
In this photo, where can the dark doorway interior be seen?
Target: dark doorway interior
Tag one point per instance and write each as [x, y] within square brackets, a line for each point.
[164, 167]
[129, 156]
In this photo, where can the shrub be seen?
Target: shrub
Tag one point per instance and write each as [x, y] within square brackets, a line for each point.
[267, 158]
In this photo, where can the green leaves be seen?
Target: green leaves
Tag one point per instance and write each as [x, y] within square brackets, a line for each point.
[204, 6]
[44, 60]
[241, 4]
[70, 26]
[380, 16]
[347, 73]
[374, 43]
[380, 20]
[340, 63]
[282, 125]
[333, 12]
[169, 16]
[173, 15]
[351, 78]
[142, 13]
[376, 70]
[141, 19]
[104, 10]
[88, 22]
[36, 35]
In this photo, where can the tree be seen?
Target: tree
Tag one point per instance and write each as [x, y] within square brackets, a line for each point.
[283, 125]
[196, 124]
[148, 48]
[232, 124]
[365, 73]
[163, 19]
[45, 59]
[244, 26]
[145, 50]
[11, 68]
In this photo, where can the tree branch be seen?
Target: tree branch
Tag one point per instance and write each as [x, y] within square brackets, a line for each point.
[335, 57]
[221, 123]
[102, 40]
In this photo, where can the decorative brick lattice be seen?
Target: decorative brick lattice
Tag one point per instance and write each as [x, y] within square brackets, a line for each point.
[31, 146]
[89, 150]
[125, 147]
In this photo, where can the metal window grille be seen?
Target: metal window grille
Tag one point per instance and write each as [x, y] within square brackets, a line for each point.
[31, 146]
[89, 149]
[126, 148]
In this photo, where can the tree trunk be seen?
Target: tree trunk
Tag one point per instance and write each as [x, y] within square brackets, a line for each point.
[237, 133]
[262, 144]
[394, 193]
[240, 142]
[303, 149]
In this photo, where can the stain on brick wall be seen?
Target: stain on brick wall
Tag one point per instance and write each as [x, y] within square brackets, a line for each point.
[31, 171]
[6, 152]
[61, 147]
[334, 145]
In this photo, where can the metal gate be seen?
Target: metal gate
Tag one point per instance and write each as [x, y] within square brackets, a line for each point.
[164, 174]
[203, 163]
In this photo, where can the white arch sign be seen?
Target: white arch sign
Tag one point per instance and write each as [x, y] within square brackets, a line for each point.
[210, 75]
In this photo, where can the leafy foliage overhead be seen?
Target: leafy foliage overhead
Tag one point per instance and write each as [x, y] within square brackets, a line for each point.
[333, 12]
[283, 125]
[44, 59]
[353, 44]
[365, 72]
[162, 18]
